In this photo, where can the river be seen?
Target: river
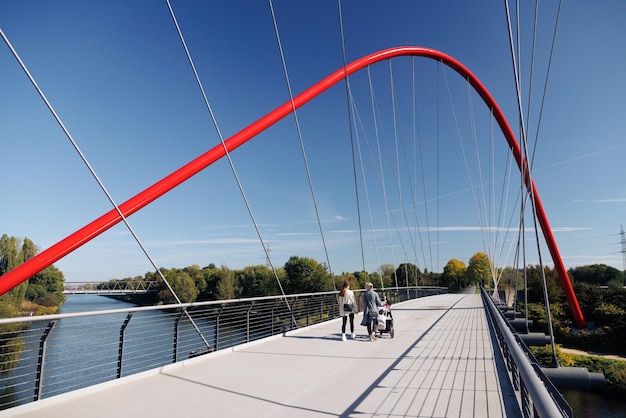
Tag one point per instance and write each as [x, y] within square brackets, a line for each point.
[584, 404]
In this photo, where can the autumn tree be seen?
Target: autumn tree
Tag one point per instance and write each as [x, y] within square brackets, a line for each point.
[454, 274]
[350, 278]
[479, 269]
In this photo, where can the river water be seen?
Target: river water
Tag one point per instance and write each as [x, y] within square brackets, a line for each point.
[584, 404]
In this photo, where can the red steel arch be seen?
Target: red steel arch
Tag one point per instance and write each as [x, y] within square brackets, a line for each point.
[111, 218]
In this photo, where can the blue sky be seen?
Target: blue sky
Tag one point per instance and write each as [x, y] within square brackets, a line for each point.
[117, 75]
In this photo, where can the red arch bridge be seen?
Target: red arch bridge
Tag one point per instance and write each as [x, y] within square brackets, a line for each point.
[451, 353]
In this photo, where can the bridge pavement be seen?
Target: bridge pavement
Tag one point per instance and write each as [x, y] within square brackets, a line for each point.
[441, 363]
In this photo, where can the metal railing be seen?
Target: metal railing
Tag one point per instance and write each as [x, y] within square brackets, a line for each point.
[53, 354]
[536, 395]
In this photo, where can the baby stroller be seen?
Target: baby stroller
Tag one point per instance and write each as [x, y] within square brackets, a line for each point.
[385, 320]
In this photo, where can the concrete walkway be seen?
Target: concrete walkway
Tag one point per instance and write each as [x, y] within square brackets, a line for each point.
[440, 363]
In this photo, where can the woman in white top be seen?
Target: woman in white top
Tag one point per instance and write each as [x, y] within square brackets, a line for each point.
[347, 309]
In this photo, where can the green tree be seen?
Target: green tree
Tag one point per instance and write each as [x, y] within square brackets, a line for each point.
[304, 275]
[257, 281]
[11, 257]
[430, 278]
[534, 278]
[197, 275]
[388, 273]
[9, 253]
[211, 275]
[598, 274]
[181, 283]
[29, 250]
[511, 280]
[479, 269]
[350, 278]
[409, 274]
[453, 275]
[46, 287]
[226, 287]
[374, 277]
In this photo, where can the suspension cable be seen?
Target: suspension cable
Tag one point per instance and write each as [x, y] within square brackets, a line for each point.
[398, 136]
[411, 178]
[528, 168]
[95, 176]
[532, 66]
[306, 163]
[365, 186]
[469, 177]
[376, 115]
[517, 83]
[545, 87]
[439, 67]
[350, 118]
[421, 154]
[227, 154]
[543, 276]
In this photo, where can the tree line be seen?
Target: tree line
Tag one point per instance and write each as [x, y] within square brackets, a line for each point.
[43, 292]
[601, 296]
[298, 275]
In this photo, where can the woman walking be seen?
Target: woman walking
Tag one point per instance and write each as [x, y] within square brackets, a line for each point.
[347, 309]
[371, 302]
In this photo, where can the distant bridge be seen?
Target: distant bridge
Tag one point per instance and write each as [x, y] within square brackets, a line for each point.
[117, 288]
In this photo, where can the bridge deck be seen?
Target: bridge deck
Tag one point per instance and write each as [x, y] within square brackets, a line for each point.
[441, 363]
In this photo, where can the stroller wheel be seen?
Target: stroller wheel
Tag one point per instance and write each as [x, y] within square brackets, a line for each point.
[391, 332]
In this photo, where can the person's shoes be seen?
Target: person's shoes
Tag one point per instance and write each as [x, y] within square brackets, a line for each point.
[354, 336]
[373, 337]
[343, 337]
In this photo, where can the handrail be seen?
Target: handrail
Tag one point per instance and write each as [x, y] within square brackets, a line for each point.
[543, 400]
[135, 339]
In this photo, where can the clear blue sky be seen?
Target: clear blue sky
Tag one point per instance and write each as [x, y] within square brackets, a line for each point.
[117, 76]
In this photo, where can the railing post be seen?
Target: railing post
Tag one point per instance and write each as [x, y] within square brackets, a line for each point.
[308, 310]
[42, 359]
[217, 327]
[321, 309]
[248, 322]
[272, 319]
[120, 352]
[176, 329]
[292, 317]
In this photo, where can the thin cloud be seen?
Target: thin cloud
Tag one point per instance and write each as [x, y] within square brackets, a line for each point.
[580, 157]
[617, 200]
[213, 241]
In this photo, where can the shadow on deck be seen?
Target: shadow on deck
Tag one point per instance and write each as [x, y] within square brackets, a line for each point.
[440, 363]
